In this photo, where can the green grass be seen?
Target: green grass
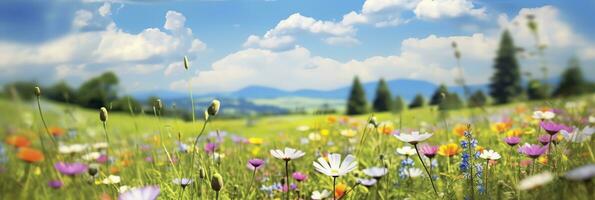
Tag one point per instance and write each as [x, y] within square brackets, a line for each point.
[130, 135]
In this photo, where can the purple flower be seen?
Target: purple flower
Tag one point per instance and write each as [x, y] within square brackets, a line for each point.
[255, 163]
[144, 193]
[56, 184]
[299, 176]
[239, 139]
[532, 150]
[210, 147]
[551, 127]
[102, 159]
[544, 139]
[428, 150]
[70, 169]
[293, 186]
[149, 159]
[512, 141]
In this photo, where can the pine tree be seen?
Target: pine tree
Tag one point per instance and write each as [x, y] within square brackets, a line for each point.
[382, 101]
[418, 101]
[398, 104]
[356, 104]
[478, 99]
[573, 82]
[505, 83]
[438, 95]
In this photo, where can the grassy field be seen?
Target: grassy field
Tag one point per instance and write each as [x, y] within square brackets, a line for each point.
[148, 150]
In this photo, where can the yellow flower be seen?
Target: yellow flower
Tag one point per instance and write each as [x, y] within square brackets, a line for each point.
[331, 119]
[514, 132]
[324, 132]
[500, 127]
[386, 128]
[255, 151]
[348, 132]
[460, 129]
[449, 150]
[255, 140]
[542, 160]
[479, 148]
[529, 131]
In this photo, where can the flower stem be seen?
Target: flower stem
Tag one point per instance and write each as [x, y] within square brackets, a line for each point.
[423, 164]
[44, 123]
[202, 130]
[106, 149]
[334, 182]
[287, 179]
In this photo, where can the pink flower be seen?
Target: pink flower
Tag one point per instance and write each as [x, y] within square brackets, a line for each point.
[532, 150]
[512, 141]
[299, 176]
[428, 150]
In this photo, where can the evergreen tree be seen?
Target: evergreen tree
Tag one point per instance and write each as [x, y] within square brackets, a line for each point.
[573, 82]
[398, 104]
[438, 95]
[536, 90]
[478, 99]
[418, 101]
[505, 82]
[98, 91]
[451, 102]
[356, 103]
[61, 91]
[382, 101]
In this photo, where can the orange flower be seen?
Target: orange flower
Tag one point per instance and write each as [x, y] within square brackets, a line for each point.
[386, 128]
[514, 132]
[460, 129]
[479, 149]
[449, 150]
[500, 127]
[331, 119]
[18, 141]
[56, 131]
[340, 190]
[30, 155]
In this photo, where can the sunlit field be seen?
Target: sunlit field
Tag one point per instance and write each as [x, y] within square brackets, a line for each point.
[492, 153]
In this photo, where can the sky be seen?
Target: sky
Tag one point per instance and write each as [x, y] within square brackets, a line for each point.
[289, 45]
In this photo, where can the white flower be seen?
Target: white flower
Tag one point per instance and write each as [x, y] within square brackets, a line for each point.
[74, 148]
[124, 188]
[348, 132]
[414, 137]
[367, 182]
[320, 195]
[535, 181]
[314, 136]
[334, 167]
[287, 154]
[91, 156]
[543, 115]
[591, 119]
[111, 179]
[144, 193]
[100, 145]
[582, 173]
[576, 136]
[490, 155]
[413, 172]
[375, 172]
[303, 128]
[406, 151]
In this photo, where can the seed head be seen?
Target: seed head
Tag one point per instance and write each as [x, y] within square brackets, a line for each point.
[201, 173]
[216, 182]
[37, 91]
[373, 121]
[214, 108]
[103, 114]
[186, 63]
[206, 115]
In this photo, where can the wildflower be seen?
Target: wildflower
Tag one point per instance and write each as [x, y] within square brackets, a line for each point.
[582, 173]
[210, 147]
[449, 150]
[92, 170]
[544, 139]
[428, 150]
[255, 140]
[144, 193]
[551, 127]
[314, 137]
[535, 181]
[543, 115]
[214, 107]
[103, 114]
[56, 184]
[288, 154]
[56, 131]
[182, 182]
[100, 145]
[500, 127]
[111, 179]
[334, 167]
[406, 151]
[70, 169]
[316, 195]
[348, 132]
[576, 136]
[460, 130]
[30, 155]
[532, 150]
[367, 182]
[255, 163]
[375, 172]
[37, 91]
[340, 190]
[299, 176]
[490, 155]
[74, 148]
[386, 128]
[18, 141]
[512, 141]
[413, 138]
[216, 182]
[514, 133]
[303, 128]
[413, 172]
[373, 121]
[91, 156]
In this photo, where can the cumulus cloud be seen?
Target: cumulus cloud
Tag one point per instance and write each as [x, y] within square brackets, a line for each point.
[436, 9]
[105, 9]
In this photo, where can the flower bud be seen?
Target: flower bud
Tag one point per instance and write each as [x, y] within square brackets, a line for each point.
[186, 63]
[373, 121]
[214, 108]
[158, 105]
[37, 91]
[92, 170]
[206, 115]
[201, 173]
[103, 114]
[216, 182]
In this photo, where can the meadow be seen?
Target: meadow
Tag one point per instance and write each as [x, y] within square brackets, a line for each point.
[529, 150]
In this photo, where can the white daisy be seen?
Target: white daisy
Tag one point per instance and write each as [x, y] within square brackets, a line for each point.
[316, 195]
[92, 156]
[543, 115]
[490, 155]
[578, 136]
[375, 172]
[334, 167]
[582, 173]
[535, 181]
[367, 182]
[287, 154]
[413, 172]
[111, 179]
[406, 151]
[73, 148]
[144, 193]
[413, 138]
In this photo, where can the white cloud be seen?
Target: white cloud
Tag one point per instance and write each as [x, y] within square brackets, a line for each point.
[275, 42]
[81, 19]
[173, 67]
[174, 21]
[342, 41]
[435, 9]
[105, 9]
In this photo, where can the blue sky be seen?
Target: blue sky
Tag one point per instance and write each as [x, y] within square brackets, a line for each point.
[283, 44]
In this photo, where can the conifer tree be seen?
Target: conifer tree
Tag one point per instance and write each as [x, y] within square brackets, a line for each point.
[382, 101]
[506, 80]
[356, 103]
[418, 101]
